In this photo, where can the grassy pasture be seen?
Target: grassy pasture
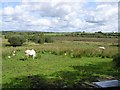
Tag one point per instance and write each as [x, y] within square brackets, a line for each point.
[71, 70]
[83, 62]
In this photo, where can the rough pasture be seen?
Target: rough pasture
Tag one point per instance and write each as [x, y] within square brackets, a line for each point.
[82, 63]
[69, 47]
[71, 70]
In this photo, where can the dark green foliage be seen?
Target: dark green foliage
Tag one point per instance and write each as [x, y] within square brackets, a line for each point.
[8, 35]
[38, 38]
[116, 60]
[16, 40]
[48, 40]
[98, 34]
[41, 38]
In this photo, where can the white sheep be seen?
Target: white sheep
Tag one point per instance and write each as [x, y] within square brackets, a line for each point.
[102, 48]
[65, 54]
[30, 53]
[9, 56]
[13, 53]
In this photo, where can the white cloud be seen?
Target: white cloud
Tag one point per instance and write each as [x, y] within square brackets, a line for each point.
[61, 15]
[1, 12]
[106, 0]
[77, 23]
[9, 1]
[42, 22]
[8, 11]
[19, 10]
[63, 10]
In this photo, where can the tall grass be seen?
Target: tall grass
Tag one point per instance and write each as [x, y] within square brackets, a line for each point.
[71, 49]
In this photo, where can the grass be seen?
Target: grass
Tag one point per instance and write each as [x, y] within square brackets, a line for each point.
[51, 66]
[76, 47]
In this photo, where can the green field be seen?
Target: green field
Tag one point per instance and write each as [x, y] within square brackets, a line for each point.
[52, 68]
[58, 67]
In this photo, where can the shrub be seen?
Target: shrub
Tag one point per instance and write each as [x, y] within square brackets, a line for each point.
[16, 40]
[116, 60]
[48, 40]
[38, 39]
[8, 35]
[41, 40]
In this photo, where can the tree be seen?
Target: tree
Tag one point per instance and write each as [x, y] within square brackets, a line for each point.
[16, 40]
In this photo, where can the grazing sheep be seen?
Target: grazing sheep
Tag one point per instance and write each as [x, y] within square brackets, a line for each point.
[14, 53]
[30, 53]
[102, 48]
[65, 54]
[9, 56]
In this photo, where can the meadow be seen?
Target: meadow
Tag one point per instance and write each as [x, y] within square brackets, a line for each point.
[68, 62]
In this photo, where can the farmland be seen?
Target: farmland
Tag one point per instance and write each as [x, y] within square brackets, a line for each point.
[69, 61]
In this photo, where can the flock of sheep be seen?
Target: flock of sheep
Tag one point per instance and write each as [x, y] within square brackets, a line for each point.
[33, 53]
[27, 53]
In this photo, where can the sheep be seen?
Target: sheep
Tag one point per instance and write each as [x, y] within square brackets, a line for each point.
[9, 56]
[65, 54]
[14, 53]
[102, 48]
[30, 53]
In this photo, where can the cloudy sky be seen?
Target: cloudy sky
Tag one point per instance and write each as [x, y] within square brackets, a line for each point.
[59, 15]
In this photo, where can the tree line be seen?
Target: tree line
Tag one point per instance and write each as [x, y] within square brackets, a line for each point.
[18, 38]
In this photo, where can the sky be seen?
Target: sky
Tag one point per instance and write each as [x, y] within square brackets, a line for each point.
[59, 15]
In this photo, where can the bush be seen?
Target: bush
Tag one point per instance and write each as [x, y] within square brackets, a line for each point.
[38, 39]
[16, 40]
[48, 40]
[8, 35]
[116, 60]
[41, 40]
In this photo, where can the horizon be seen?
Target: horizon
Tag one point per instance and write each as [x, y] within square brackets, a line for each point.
[58, 32]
